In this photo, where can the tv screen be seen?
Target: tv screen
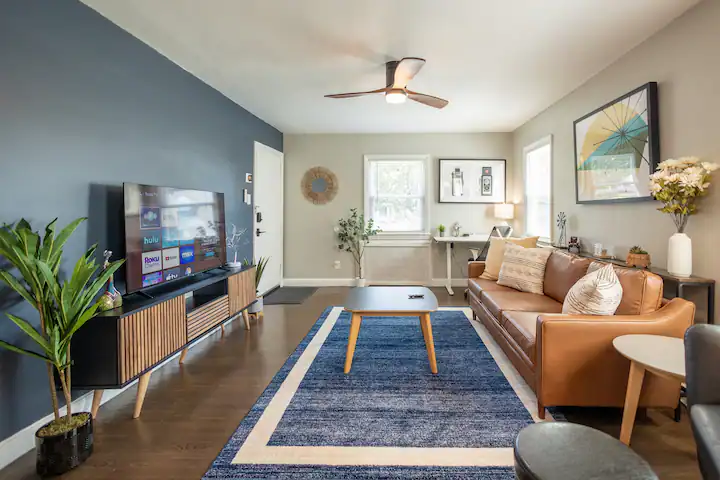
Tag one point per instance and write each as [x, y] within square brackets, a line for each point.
[171, 233]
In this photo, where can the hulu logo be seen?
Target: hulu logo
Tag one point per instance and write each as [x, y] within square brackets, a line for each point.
[151, 240]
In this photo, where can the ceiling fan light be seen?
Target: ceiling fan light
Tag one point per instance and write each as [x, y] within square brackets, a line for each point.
[396, 96]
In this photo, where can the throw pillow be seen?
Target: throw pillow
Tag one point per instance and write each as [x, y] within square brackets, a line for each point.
[524, 268]
[496, 253]
[597, 293]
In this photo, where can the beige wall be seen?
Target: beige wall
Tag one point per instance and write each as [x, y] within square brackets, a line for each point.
[310, 246]
[683, 58]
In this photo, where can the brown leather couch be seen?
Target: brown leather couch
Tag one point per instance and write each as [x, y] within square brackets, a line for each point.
[569, 360]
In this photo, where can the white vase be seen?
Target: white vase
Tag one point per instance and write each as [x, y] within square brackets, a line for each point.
[257, 306]
[359, 282]
[680, 255]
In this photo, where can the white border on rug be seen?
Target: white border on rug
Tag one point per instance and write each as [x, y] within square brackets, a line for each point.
[255, 449]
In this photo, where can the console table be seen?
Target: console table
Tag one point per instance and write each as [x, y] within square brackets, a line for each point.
[124, 344]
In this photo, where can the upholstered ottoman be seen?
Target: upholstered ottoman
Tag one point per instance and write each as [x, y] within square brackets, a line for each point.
[567, 451]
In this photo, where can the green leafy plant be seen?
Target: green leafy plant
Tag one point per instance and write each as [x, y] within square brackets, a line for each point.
[63, 307]
[260, 266]
[441, 228]
[354, 234]
[637, 250]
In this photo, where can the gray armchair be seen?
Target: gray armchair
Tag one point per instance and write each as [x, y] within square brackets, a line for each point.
[702, 360]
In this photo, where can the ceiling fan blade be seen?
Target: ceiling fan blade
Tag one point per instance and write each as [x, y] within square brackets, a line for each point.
[406, 69]
[428, 100]
[357, 94]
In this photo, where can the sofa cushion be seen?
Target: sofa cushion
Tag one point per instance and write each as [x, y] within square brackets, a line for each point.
[479, 285]
[521, 327]
[496, 253]
[642, 290]
[498, 302]
[562, 271]
[597, 293]
[524, 268]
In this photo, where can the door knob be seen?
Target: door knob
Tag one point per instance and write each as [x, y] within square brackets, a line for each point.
[258, 232]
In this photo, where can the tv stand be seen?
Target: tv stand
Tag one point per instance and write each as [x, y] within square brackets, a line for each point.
[127, 343]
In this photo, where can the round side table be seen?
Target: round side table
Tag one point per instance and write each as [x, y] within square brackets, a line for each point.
[663, 356]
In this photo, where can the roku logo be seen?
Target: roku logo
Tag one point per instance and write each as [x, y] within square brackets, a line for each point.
[151, 260]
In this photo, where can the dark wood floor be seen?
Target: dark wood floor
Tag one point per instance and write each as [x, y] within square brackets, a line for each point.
[191, 409]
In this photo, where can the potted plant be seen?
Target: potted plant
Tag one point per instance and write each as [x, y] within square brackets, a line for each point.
[441, 230]
[63, 308]
[354, 234]
[637, 257]
[257, 307]
[678, 184]
[233, 243]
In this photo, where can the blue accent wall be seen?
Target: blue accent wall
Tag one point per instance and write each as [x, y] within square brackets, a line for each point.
[84, 107]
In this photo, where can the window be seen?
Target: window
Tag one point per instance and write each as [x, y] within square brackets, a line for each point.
[396, 192]
[538, 188]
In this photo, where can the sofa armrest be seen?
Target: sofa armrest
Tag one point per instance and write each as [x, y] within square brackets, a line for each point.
[475, 269]
[575, 355]
[702, 355]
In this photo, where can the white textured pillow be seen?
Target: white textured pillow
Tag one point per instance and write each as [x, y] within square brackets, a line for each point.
[524, 268]
[597, 293]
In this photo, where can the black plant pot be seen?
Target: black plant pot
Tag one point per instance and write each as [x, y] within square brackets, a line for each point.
[61, 453]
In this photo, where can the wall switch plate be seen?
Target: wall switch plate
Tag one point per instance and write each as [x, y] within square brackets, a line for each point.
[336, 264]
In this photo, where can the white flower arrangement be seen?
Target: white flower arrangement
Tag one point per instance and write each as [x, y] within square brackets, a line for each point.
[678, 184]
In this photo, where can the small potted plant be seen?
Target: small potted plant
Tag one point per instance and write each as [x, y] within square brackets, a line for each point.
[257, 307]
[637, 257]
[354, 235]
[441, 230]
[233, 243]
[63, 308]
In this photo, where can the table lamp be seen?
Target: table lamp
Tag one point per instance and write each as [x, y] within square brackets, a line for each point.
[505, 211]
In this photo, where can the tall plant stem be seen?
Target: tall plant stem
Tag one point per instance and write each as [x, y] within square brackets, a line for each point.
[51, 374]
[66, 393]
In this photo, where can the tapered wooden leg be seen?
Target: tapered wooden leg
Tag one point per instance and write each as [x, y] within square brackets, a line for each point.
[429, 343]
[222, 329]
[424, 332]
[261, 315]
[632, 397]
[541, 410]
[352, 339]
[182, 356]
[97, 398]
[142, 390]
[246, 317]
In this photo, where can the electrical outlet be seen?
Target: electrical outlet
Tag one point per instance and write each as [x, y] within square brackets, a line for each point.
[336, 264]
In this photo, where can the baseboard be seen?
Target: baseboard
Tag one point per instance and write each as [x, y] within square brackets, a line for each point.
[23, 441]
[318, 282]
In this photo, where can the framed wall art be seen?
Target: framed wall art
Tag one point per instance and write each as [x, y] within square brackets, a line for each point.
[472, 181]
[617, 148]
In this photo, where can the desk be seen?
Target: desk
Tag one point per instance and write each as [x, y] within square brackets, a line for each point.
[448, 241]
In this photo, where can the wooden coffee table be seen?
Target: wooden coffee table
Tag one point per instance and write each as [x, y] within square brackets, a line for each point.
[390, 302]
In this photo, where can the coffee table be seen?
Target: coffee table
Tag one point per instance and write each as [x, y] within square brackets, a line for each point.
[663, 356]
[390, 302]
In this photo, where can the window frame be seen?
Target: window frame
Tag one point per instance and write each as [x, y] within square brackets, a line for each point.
[542, 142]
[400, 236]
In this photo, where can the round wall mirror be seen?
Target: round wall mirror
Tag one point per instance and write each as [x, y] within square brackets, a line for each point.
[319, 185]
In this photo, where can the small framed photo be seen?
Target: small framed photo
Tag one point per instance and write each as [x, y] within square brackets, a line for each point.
[472, 181]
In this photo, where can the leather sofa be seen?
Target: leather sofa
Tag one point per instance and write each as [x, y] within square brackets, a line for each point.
[569, 360]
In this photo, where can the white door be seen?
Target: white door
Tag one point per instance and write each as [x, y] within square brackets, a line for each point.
[268, 218]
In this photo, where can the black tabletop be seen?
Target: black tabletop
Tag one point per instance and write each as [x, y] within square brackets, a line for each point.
[390, 299]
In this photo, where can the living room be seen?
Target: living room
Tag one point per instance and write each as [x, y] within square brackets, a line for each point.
[302, 341]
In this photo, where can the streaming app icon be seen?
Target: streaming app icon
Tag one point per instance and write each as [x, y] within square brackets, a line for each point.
[150, 240]
[171, 258]
[151, 261]
[187, 254]
[169, 217]
[188, 271]
[172, 274]
[152, 279]
[149, 217]
[170, 237]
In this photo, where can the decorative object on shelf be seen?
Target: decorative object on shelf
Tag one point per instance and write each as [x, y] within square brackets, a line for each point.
[472, 181]
[574, 245]
[616, 147]
[561, 223]
[111, 298]
[456, 229]
[319, 185]
[354, 234]
[257, 307]
[637, 257]
[63, 307]
[505, 211]
[678, 184]
[441, 230]
[233, 243]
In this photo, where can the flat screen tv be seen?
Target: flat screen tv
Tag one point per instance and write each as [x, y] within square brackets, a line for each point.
[171, 233]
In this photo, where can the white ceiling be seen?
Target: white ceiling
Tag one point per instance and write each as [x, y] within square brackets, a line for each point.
[499, 62]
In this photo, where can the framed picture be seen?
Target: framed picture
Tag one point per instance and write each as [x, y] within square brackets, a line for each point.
[471, 181]
[617, 148]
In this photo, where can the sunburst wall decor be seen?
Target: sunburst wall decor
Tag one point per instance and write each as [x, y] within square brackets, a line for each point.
[319, 185]
[617, 147]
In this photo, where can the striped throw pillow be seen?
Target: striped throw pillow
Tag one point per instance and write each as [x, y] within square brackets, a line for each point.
[524, 268]
[597, 293]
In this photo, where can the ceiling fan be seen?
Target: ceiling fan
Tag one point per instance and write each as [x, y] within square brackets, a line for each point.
[397, 75]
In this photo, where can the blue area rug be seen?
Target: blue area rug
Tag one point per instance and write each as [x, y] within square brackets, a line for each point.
[389, 406]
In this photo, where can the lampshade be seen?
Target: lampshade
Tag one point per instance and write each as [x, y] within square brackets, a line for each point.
[505, 211]
[396, 95]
